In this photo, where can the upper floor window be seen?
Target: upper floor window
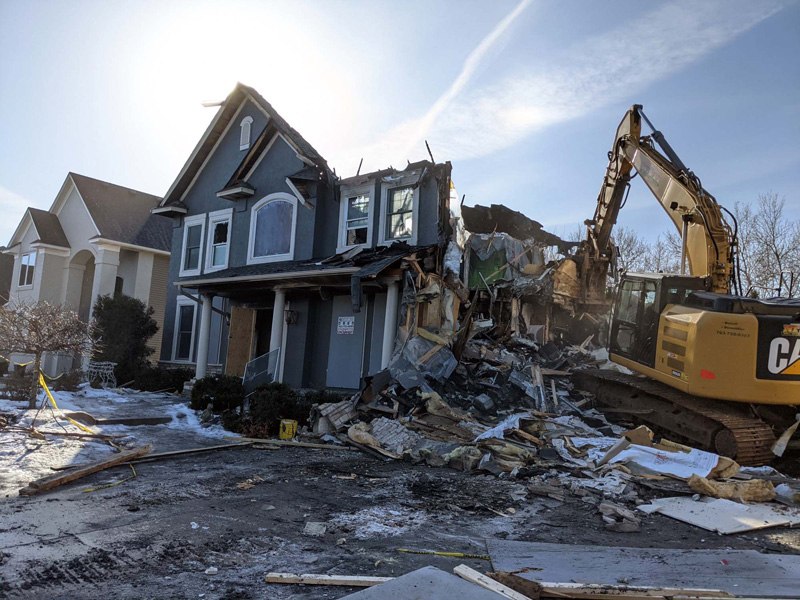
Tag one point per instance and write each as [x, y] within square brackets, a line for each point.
[244, 133]
[219, 236]
[355, 219]
[399, 214]
[27, 266]
[272, 228]
[193, 229]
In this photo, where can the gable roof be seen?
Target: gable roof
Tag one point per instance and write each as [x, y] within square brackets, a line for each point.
[217, 127]
[122, 214]
[48, 228]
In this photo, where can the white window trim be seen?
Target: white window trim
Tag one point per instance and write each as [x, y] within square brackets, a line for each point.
[183, 301]
[35, 265]
[251, 260]
[245, 144]
[363, 190]
[189, 222]
[219, 216]
[382, 239]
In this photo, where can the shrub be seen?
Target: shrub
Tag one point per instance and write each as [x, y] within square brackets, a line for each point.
[268, 405]
[224, 392]
[153, 379]
[18, 385]
[123, 325]
[68, 382]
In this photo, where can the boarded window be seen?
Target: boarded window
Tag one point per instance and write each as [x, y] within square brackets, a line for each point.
[273, 230]
[356, 225]
[400, 214]
[191, 255]
[27, 266]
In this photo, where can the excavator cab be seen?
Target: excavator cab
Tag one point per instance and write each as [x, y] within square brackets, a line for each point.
[641, 298]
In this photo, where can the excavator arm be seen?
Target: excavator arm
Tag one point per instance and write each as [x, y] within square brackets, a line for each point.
[709, 243]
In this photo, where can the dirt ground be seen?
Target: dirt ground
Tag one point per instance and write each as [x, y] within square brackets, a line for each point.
[155, 536]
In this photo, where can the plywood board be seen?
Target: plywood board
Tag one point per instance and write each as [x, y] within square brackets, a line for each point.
[240, 340]
[724, 516]
[747, 572]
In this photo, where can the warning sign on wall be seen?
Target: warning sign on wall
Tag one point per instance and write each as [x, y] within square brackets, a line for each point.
[346, 326]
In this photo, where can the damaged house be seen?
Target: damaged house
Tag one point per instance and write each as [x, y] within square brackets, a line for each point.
[280, 265]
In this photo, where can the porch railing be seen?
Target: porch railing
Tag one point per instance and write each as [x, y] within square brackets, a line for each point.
[261, 370]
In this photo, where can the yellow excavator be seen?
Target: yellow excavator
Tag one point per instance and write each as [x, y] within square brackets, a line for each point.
[717, 369]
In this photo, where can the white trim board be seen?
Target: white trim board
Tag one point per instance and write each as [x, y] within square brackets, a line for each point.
[190, 222]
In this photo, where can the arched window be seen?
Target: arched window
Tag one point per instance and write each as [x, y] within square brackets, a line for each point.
[244, 134]
[272, 226]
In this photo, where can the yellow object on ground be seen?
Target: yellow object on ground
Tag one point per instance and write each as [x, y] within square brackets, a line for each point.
[53, 402]
[288, 429]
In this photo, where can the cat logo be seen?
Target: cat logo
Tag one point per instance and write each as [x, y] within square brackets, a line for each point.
[784, 356]
[791, 330]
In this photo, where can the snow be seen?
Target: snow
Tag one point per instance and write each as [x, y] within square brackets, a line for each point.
[24, 458]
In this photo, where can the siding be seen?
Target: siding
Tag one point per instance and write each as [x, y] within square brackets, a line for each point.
[158, 300]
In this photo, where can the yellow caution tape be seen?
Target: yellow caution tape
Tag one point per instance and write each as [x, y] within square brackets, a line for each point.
[53, 402]
[16, 364]
[450, 554]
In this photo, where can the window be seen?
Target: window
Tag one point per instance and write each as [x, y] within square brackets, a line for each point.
[355, 218]
[244, 133]
[272, 225]
[27, 266]
[193, 229]
[399, 214]
[119, 283]
[219, 235]
[183, 346]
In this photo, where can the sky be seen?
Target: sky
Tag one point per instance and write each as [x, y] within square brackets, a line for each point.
[523, 97]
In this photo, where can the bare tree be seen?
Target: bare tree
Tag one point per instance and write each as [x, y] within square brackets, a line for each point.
[632, 249]
[776, 239]
[37, 328]
[663, 255]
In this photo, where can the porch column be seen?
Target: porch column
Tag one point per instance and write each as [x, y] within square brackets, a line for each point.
[389, 323]
[105, 273]
[204, 333]
[278, 319]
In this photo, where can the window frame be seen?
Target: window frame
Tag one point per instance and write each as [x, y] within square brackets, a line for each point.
[251, 242]
[344, 196]
[23, 256]
[214, 218]
[247, 122]
[181, 302]
[386, 190]
[189, 222]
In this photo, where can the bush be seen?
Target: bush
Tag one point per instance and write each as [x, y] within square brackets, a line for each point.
[122, 327]
[18, 385]
[68, 382]
[224, 392]
[268, 405]
[154, 379]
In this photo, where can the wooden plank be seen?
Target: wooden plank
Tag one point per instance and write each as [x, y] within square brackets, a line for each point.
[240, 340]
[158, 455]
[51, 481]
[599, 592]
[747, 572]
[426, 583]
[312, 579]
[488, 583]
[289, 443]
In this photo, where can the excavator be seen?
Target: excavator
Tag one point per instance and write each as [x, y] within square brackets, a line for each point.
[712, 366]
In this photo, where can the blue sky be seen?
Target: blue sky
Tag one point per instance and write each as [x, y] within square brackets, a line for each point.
[522, 97]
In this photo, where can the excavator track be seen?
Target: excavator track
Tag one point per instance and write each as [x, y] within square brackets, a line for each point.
[727, 428]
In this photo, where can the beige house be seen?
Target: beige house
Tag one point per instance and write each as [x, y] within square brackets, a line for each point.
[96, 239]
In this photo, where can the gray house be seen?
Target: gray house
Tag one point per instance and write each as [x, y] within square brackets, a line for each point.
[272, 253]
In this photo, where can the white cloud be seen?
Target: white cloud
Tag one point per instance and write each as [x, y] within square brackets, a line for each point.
[469, 123]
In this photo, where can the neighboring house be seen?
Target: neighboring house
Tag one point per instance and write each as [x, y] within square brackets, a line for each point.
[96, 239]
[272, 252]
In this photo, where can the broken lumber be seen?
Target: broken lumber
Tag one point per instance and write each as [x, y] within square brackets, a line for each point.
[289, 443]
[311, 579]
[46, 483]
[488, 583]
